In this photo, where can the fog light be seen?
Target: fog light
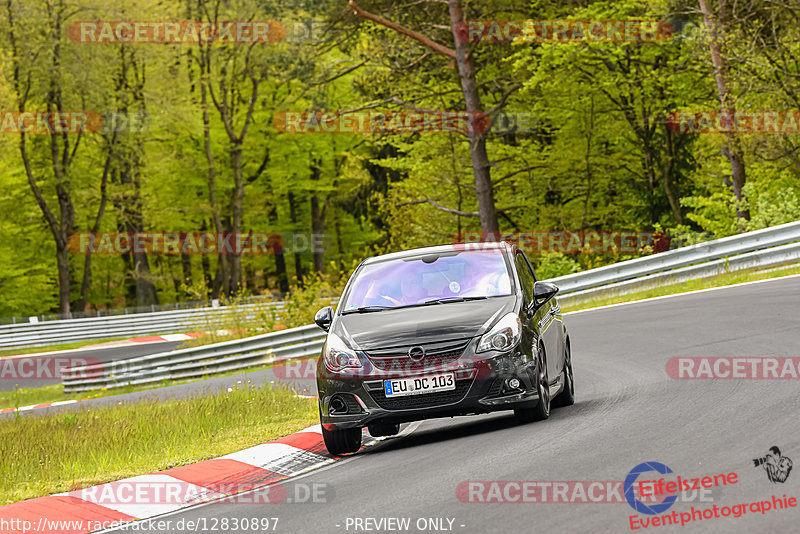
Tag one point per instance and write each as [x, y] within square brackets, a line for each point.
[513, 383]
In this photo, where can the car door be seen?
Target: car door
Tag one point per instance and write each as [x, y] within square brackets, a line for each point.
[549, 324]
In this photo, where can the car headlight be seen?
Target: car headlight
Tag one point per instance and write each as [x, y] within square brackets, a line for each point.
[338, 356]
[503, 335]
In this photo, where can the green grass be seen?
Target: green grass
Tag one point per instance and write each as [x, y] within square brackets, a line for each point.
[31, 396]
[64, 452]
[719, 280]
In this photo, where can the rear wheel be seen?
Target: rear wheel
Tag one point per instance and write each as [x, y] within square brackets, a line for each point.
[567, 395]
[542, 409]
[340, 442]
[377, 430]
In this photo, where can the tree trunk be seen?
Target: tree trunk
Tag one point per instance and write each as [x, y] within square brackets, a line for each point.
[317, 229]
[222, 277]
[62, 261]
[298, 265]
[130, 94]
[670, 189]
[477, 140]
[238, 215]
[186, 267]
[280, 258]
[732, 149]
[87, 262]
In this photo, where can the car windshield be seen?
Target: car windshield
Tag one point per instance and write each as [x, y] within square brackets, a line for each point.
[429, 279]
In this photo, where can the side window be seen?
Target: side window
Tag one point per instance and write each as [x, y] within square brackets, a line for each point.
[525, 276]
[533, 273]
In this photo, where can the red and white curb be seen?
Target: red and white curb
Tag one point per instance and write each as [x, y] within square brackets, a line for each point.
[146, 339]
[113, 344]
[37, 406]
[146, 496]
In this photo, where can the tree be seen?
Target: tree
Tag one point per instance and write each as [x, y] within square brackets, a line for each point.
[39, 77]
[472, 100]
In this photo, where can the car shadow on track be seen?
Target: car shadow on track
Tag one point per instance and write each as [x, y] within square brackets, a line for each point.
[459, 427]
[464, 426]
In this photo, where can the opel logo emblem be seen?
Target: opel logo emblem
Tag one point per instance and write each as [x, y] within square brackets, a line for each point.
[416, 353]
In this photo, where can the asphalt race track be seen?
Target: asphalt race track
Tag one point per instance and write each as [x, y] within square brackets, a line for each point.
[628, 412]
[93, 355]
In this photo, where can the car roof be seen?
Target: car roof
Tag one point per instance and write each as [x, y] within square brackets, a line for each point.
[438, 249]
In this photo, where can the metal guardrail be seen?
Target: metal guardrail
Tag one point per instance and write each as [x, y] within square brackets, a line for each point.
[682, 257]
[302, 342]
[69, 330]
[776, 256]
[134, 310]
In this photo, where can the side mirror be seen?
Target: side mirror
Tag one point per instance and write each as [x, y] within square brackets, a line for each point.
[324, 318]
[543, 292]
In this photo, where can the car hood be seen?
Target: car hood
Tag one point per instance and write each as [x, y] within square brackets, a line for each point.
[420, 325]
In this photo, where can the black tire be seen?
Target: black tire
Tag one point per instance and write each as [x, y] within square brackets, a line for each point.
[377, 430]
[542, 409]
[567, 395]
[340, 442]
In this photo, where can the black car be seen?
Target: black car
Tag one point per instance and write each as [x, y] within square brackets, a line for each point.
[438, 332]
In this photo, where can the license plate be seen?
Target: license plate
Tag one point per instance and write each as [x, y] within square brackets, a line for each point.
[402, 387]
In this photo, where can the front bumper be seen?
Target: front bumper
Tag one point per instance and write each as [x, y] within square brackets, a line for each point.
[480, 388]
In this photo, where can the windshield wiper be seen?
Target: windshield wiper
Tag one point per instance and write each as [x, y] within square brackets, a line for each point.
[453, 299]
[367, 309]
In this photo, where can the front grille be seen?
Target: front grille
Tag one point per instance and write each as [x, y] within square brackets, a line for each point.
[424, 400]
[438, 356]
[444, 362]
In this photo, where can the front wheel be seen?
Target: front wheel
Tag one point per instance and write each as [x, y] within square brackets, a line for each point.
[567, 395]
[542, 409]
[340, 442]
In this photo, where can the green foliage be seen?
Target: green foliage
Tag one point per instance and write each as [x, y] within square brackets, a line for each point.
[555, 264]
[774, 205]
[318, 291]
[238, 317]
[593, 153]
